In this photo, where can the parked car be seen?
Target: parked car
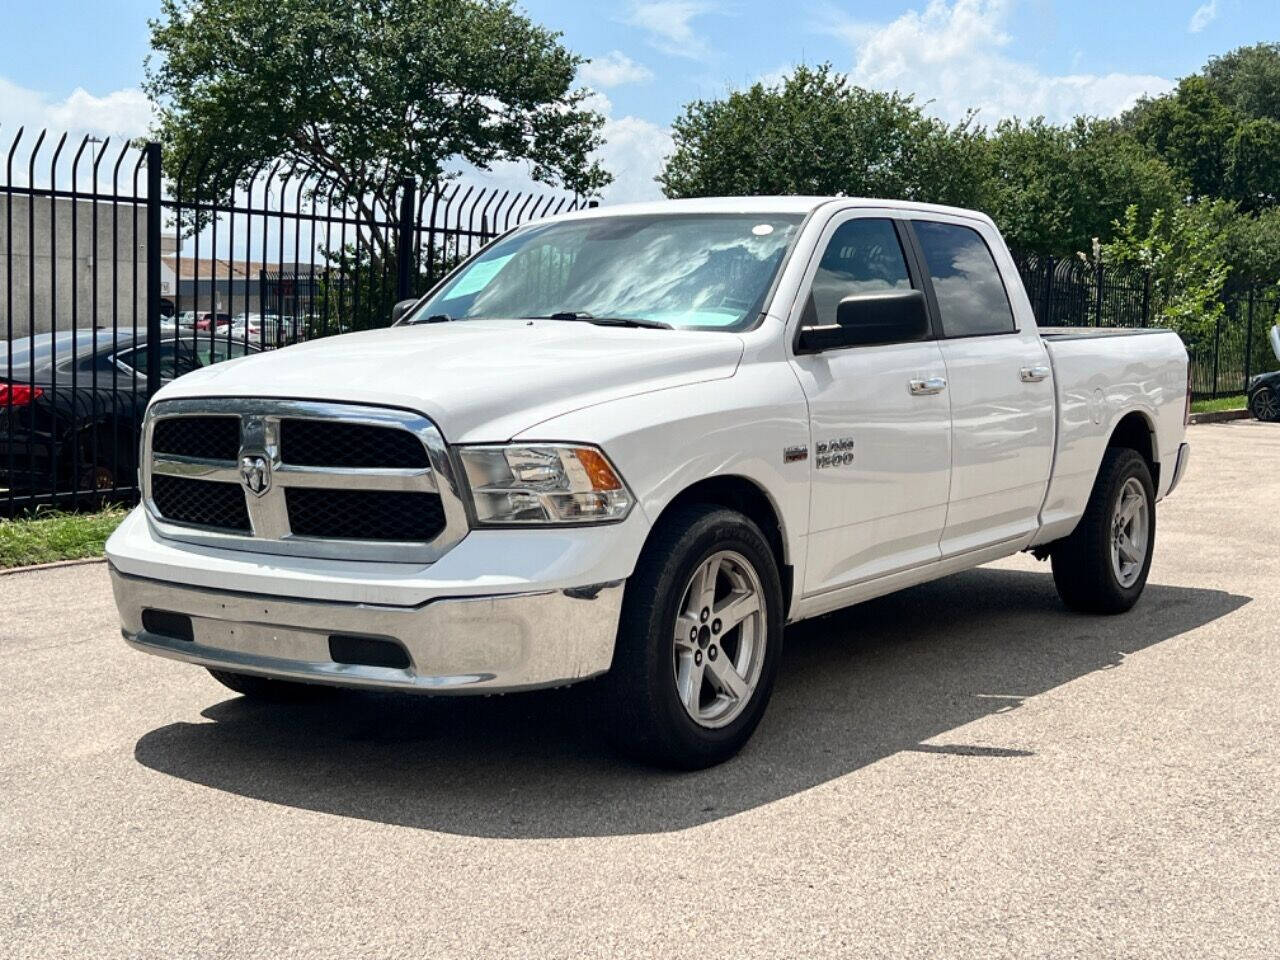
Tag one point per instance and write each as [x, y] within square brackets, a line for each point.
[1264, 389]
[71, 412]
[634, 443]
[208, 320]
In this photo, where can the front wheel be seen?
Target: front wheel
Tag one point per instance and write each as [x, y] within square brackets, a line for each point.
[1102, 567]
[1265, 405]
[699, 642]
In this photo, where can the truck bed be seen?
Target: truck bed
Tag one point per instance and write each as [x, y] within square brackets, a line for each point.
[1100, 372]
[1090, 333]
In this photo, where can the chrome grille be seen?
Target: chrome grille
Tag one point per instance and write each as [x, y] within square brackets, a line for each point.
[312, 479]
[363, 514]
[212, 438]
[204, 503]
[319, 443]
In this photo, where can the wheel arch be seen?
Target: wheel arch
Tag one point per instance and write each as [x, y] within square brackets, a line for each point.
[1136, 431]
[746, 496]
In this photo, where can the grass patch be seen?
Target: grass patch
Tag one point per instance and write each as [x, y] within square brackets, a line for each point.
[51, 536]
[1234, 402]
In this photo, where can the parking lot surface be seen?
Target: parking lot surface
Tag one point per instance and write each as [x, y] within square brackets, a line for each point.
[963, 769]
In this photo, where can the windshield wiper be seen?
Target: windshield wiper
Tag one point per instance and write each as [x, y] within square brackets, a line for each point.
[433, 318]
[605, 321]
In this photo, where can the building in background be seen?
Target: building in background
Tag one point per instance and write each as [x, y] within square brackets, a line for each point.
[70, 263]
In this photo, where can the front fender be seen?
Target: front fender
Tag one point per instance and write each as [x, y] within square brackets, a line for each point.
[665, 441]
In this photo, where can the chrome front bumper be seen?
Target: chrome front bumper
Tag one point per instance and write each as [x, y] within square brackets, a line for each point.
[488, 644]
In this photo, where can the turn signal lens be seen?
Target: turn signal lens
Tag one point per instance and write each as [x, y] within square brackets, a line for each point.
[543, 484]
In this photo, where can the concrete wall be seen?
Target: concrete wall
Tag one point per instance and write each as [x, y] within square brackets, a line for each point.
[41, 279]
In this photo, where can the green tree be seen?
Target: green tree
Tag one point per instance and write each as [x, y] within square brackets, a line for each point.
[1248, 78]
[360, 93]
[1184, 248]
[815, 133]
[1204, 131]
[1053, 189]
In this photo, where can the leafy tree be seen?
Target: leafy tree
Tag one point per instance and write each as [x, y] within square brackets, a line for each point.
[360, 93]
[815, 133]
[1184, 249]
[1248, 78]
[1252, 247]
[1054, 189]
[1212, 142]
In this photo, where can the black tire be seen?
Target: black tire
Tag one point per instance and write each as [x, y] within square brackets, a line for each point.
[270, 690]
[1082, 566]
[1264, 405]
[643, 711]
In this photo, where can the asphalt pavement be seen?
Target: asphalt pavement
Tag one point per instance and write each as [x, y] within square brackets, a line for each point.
[964, 769]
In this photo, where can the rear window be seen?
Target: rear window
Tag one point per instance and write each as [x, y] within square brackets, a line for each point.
[972, 301]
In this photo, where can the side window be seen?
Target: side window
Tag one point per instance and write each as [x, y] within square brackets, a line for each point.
[971, 297]
[208, 353]
[174, 361]
[863, 256]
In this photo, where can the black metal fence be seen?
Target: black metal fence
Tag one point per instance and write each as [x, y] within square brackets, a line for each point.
[1070, 292]
[117, 275]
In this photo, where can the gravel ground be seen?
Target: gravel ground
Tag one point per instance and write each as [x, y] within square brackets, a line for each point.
[963, 769]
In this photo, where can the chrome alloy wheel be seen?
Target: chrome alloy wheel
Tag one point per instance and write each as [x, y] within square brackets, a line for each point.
[720, 637]
[1130, 532]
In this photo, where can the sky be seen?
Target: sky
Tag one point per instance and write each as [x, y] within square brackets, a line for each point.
[78, 65]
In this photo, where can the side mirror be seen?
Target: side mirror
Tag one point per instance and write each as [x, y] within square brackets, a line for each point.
[401, 308]
[862, 320]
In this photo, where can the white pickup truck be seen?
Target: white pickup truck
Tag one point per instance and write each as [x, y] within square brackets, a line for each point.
[635, 443]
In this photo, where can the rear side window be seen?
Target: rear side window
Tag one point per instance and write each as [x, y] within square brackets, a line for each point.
[863, 256]
[971, 296]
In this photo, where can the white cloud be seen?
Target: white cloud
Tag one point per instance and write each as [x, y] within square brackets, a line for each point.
[633, 152]
[669, 24]
[613, 70]
[121, 113]
[1205, 14]
[952, 56]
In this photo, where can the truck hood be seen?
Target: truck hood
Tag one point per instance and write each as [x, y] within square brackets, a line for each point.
[479, 380]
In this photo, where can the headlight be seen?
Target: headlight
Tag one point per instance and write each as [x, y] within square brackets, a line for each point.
[543, 483]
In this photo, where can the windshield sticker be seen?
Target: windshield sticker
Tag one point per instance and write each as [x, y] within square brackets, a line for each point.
[478, 277]
[762, 229]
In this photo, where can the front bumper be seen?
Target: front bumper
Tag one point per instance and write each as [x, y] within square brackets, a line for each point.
[484, 644]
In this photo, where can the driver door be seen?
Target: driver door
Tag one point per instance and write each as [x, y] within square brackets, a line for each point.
[880, 419]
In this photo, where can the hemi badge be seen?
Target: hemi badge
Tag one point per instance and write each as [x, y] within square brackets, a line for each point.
[795, 454]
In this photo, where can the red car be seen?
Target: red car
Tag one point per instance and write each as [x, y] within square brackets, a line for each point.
[205, 320]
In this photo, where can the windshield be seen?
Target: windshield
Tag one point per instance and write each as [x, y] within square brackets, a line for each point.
[690, 271]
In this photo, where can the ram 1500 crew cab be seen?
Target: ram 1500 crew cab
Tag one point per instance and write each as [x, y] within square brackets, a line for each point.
[633, 443]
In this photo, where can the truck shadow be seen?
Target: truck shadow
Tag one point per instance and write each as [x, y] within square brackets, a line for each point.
[855, 687]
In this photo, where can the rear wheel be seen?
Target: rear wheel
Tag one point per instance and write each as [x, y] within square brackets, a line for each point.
[699, 642]
[1265, 405]
[1102, 567]
[269, 689]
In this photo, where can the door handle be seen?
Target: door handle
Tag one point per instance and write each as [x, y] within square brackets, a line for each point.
[1034, 374]
[927, 388]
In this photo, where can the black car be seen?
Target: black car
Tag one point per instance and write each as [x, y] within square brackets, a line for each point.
[1264, 389]
[71, 408]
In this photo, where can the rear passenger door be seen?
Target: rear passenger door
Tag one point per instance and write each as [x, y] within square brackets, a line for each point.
[880, 422]
[999, 381]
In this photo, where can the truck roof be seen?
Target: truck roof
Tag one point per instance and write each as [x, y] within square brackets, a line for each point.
[762, 205]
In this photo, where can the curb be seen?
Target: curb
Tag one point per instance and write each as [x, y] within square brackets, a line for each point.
[1219, 416]
[55, 565]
